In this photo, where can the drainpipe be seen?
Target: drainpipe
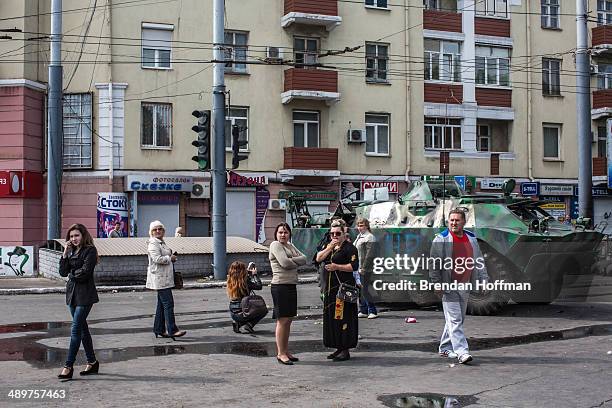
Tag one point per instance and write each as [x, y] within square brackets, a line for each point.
[111, 135]
[408, 92]
[529, 98]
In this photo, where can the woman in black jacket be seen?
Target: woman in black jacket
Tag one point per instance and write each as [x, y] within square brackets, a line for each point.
[78, 263]
[240, 283]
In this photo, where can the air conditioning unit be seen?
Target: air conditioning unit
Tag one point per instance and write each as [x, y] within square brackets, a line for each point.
[594, 69]
[356, 136]
[277, 204]
[200, 190]
[274, 54]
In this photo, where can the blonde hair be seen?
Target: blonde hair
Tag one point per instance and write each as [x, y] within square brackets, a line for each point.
[365, 221]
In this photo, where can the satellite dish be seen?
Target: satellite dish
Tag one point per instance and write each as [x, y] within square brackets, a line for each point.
[508, 186]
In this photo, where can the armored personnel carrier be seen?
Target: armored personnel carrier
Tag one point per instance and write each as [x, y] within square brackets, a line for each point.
[522, 244]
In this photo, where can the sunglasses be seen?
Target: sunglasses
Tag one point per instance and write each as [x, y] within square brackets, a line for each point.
[158, 229]
[335, 234]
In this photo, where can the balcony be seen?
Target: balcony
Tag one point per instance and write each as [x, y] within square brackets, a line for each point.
[601, 39]
[442, 21]
[495, 27]
[312, 12]
[600, 166]
[602, 104]
[313, 84]
[310, 162]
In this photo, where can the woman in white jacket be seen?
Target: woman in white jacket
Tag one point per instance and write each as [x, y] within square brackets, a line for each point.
[160, 277]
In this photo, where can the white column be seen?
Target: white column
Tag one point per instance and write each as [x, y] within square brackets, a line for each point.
[468, 75]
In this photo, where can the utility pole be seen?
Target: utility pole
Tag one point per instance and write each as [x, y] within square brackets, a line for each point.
[55, 126]
[583, 106]
[218, 123]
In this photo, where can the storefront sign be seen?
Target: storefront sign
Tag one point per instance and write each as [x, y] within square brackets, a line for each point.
[310, 195]
[557, 189]
[491, 184]
[391, 185]
[554, 199]
[599, 191]
[159, 183]
[530, 189]
[262, 196]
[238, 180]
[17, 261]
[158, 198]
[112, 208]
[609, 150]
[25, 184]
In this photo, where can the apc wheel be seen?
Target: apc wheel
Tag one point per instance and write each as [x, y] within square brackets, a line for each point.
[493, 301]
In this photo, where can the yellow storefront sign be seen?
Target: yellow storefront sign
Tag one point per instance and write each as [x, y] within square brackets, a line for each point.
[553, 206]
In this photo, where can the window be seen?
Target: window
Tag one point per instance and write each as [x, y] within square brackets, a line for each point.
[492, 66]
[442, 133]
[156, 125]
[601, 141]
[484, 138]
[239, 117]
[376, 3]
[305, 129]
[306, 51]
[604, 12]
[551, 76]
[442, 60]
[550, 13]
[77, 131]
[604, 76]
[552, 133]
[431, 4]
[377, 133]
[156, 45]
[235, 51]
[377, 58]
[494, 8]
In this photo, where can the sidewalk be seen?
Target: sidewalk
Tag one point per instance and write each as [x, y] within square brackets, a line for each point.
[37, 286]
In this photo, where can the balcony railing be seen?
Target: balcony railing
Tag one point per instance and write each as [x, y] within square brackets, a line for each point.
[600, 166]
[312, 12]
[317, 84]
[442, 21]
[311, 158]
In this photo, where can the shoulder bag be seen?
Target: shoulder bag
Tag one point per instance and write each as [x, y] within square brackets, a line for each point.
[253, 306]
[347, 293]
[178, 278]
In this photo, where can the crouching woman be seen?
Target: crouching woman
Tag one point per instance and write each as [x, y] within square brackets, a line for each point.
[240, 283]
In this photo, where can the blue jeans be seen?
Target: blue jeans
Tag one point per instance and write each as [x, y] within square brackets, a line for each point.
[366, 307]
[164, 315]
[79, 332]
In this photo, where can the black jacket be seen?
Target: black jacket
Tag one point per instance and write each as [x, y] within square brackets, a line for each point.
[79, 268]
[253, 283]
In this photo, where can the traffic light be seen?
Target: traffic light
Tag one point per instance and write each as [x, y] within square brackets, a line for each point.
[203, 140]
[236, 144]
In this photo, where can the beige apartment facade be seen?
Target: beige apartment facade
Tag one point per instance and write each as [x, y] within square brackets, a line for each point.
[334, 96]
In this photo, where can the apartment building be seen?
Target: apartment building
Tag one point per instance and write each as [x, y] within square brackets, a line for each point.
[332, 96]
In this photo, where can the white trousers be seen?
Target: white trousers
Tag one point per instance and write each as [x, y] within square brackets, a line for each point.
[453, 338]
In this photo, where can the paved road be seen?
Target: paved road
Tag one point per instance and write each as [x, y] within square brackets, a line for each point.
[529, 356]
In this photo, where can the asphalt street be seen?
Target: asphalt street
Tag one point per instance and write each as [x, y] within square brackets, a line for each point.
[558, 355]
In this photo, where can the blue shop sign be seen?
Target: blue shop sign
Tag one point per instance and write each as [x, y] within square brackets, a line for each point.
[530, 189]
[159, 183]
[574, 208]
[598, 191]
[553, 199]
[461, 181]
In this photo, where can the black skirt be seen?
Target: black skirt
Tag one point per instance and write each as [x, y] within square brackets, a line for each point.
[284, 297]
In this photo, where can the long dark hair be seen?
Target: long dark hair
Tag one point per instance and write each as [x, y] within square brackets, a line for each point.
[86, 241]
[285, 226]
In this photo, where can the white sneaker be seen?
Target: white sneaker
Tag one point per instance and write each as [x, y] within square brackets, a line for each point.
[362, 315]
[372, 316]
[465, 358]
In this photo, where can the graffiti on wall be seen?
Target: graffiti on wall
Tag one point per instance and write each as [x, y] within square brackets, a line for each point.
[17, 261]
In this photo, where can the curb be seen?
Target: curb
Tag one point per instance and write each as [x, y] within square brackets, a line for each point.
[136, 288]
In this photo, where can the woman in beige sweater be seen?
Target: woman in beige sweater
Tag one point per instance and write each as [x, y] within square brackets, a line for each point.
[284, 260]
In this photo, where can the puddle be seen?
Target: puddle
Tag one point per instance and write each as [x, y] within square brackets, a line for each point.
[426, 400]
[28, 347]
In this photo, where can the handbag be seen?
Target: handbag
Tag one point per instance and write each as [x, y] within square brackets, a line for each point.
[178, 278]
[253, 306]
[347, 293]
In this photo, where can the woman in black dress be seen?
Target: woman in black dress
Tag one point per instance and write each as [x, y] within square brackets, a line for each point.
[340, 322]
